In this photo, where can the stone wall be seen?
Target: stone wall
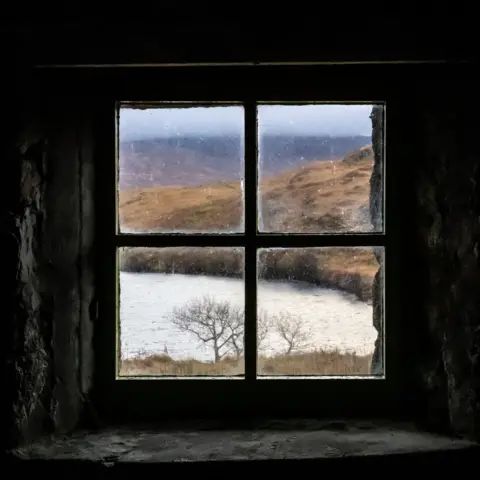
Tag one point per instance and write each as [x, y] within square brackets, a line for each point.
[443, 159]
[49, 331]
[448, 220]
[48, 227]
[376, 214]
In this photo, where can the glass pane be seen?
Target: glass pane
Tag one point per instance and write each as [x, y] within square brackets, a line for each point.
[181, 169]
[181, 311]
[316, 311]
[315, 168]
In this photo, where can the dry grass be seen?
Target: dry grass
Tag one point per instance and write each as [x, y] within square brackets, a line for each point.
[315, 198]
[312, 363]
[203, 208]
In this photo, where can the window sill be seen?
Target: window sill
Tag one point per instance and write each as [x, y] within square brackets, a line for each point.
[204, 444]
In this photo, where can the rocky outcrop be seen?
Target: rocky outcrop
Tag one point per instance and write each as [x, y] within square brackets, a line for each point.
[376, 215]
[362, 153]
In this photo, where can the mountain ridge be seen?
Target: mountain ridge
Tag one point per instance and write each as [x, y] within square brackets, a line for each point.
[190, 161]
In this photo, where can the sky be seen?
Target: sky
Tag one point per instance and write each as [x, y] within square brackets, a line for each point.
[334, 120]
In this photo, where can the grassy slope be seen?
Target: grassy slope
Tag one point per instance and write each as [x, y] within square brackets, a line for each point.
[319, 197]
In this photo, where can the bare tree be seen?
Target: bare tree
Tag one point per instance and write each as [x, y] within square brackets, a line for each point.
[210, 321]
[264, 325]
[236, 330]
[219, 324]
[237, 327]
[293, 331]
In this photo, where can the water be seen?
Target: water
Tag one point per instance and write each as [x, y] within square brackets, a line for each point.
[336, 320]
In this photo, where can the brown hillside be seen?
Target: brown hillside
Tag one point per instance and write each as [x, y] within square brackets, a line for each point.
[318, 197]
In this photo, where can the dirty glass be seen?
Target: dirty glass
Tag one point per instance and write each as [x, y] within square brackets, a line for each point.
[181, 311]
[315, 167]
[315, 311]
[181, 169]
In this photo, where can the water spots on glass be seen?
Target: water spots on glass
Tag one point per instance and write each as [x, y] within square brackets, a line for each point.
[167, 160]
[317, 177]
[314, 312]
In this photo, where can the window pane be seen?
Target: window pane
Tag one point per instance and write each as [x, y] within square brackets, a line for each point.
[316, 311]
[181, 169]
[181, 311]
[315, 168]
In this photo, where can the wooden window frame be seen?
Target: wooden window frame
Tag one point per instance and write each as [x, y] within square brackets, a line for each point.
[138, 399]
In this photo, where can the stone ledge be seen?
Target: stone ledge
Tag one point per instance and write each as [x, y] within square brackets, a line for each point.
[204, 443]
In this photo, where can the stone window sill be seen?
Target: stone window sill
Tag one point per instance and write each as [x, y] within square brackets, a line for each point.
[206, 444]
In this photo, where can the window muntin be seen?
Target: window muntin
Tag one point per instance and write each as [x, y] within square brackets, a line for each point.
[358, 236]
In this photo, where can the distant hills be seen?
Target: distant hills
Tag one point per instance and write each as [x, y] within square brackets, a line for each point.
[314, 197]
[191, 161]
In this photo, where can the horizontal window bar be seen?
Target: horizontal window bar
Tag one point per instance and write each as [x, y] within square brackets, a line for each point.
[138, 105]
[319, 102]
[249, 64]
[259, 241]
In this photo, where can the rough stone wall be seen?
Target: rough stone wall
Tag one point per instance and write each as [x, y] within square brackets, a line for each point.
[49, 254]
[448, 186]
[49, 359]
[376, 214]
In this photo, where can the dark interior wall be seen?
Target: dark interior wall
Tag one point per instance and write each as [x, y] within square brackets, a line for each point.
[448, 228]
[50, 357]
[47, 222]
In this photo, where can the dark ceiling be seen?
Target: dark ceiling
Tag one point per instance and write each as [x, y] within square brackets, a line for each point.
[170, 40]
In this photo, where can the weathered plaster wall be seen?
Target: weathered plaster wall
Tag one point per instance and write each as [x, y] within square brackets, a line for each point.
[448, 221]
[49, 360]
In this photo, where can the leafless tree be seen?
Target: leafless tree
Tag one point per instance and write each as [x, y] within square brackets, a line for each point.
[293, 331]
[264, 326]
[212, 322]
[237, 326]
[236, 331]
[219, 324]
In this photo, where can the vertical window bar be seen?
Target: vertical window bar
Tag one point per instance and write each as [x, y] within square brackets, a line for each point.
[116, 291]
[250, 195]
[105, 186]
[117, 159]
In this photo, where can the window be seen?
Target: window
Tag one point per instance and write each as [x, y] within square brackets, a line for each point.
[245, 246]
[199, 310]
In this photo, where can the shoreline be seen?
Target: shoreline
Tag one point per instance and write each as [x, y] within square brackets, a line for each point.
[321, 269]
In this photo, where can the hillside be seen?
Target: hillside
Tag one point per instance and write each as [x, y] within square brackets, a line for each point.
[189, 161]
[315, 197]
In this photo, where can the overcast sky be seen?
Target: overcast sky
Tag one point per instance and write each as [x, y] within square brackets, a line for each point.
[335, 120]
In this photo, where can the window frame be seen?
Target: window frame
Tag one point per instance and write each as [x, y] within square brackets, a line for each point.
[252, 396]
